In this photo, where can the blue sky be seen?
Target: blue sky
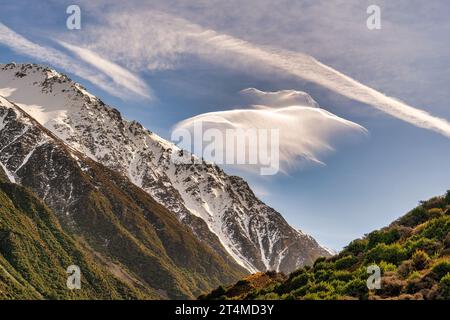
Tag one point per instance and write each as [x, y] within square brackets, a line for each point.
[196, 58]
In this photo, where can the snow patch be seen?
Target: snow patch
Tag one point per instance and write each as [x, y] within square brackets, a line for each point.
[8, 173]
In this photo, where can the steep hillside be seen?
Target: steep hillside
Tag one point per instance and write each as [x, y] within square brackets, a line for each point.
[413, 254]
[35, 253]
[221, 210]
[126, 228]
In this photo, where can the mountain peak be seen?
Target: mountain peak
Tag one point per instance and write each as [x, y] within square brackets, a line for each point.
[220, 210]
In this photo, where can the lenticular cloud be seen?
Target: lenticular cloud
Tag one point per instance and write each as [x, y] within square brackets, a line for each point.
[306, 131]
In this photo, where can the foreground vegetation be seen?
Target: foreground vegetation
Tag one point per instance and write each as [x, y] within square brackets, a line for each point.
[413, 254]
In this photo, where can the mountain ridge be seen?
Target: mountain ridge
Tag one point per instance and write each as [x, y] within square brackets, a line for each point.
[122, 224]
[221, 210]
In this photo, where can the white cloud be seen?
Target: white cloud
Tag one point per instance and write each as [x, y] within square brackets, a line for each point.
[152, 39]
[120, 75]
[282, 98]
[58, 59]
[306, 131]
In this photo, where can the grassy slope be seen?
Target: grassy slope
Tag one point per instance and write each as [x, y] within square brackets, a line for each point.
[35, 252]
[413, 254]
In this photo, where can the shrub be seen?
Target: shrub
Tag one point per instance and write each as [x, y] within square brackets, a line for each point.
[269, 296]
[444, 286]
[414, 275]
[299, 281]
[319, 296]
[393, 253]
[437, 228]
[414, 217]
[357, 288]
[321, 287]
[440, 269]
[296, 273]
[404, 296]
[319, 260]
[435, 213]
[323, 275]
[447, 240]
[339, 285]
[301, 291]
[345, 262]
[392, 286]
[356, 246]
[220, 291]
[420, 259]
[425, 244]
[445, 252]
[405, 268]
[342, 275]
[242, 283]
[387, 267]
[387, 236]
[416, 283]
[447, 198]
[435, 202]
[287, 296]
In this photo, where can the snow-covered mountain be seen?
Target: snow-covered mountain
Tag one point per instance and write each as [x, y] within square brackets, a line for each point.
[221, 210]
[137, 242]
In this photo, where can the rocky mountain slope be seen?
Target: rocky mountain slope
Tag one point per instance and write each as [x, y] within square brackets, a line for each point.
[36, 252]
[137, 239]
[413, 254]
[221, 210]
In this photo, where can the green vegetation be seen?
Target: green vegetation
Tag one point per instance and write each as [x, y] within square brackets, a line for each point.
[413, 254]
[35, 253]
[126, 245]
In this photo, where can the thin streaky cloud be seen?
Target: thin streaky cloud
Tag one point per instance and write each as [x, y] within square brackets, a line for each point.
[308, 68]
[169, 36]
[119, 74]
[23, 46]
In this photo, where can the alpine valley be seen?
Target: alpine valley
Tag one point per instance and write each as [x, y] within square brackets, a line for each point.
[81, 185]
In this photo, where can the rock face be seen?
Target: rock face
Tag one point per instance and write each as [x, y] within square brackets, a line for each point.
[122, 226]
[221, 210]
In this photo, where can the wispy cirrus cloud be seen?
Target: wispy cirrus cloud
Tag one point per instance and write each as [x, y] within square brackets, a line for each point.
[116, 81]
[120, 75]
[168, 37]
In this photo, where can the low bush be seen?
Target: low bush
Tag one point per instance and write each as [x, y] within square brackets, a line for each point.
[405, 268]
[356, 247]
[387, 236]
[444, 286]
[345, 262]
[420, 259]
[393, 253]
[342, 275]
[391, 286]
[357, 288]
[437, 228]
[414, 217]
[440, 269]
[421, 243]
[299, 281]
[387, 267]
[447, 198]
